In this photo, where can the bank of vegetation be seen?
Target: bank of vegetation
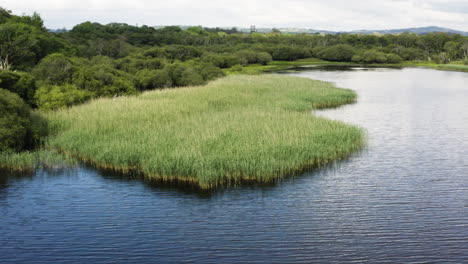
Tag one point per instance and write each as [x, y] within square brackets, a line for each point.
[236, 129]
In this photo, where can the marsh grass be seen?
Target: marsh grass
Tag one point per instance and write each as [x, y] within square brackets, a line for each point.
[29, 161]
[236, 129]
[453, 67]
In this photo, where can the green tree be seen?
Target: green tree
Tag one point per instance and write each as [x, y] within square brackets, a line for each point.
[464, 48]
[264, 58]
[183, 74]
[20, 83]
[341, 52]
[16, 43]
[153, 79]
[14, 121]
[371, 56]
[54, 97]
[55, 69]
[393, 58]
[453, 49]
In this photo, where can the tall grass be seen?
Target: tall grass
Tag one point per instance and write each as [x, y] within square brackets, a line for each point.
[29, 161]
[236, 129]
[453, 67]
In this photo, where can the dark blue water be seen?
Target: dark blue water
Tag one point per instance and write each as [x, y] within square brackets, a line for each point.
[403, 199]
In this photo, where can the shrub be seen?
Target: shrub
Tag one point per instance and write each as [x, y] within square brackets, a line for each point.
[14, 121]
[54, 97]
[209, 71]
[153, 79]
[55, 69]
[341, 52]
[393, 58]
[104, 80]
[183, 74]
[442, 58]
[287, 53]
[119, 87]
[264, 58]
[20, 83]
[370, 56]
[247, 56]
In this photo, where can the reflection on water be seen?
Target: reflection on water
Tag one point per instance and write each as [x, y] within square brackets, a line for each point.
[403, 199]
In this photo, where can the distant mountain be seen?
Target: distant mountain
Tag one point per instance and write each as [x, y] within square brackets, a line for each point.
[420, 30]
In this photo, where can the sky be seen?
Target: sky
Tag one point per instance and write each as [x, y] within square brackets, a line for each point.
[336, 15]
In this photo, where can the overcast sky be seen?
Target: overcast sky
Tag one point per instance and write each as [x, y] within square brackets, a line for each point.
[315, 14]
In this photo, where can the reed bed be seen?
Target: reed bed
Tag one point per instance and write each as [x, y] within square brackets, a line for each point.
[29, 161]
[453, 67]
[236, 129]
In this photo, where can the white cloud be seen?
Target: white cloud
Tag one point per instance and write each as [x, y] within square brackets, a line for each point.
[318, 14]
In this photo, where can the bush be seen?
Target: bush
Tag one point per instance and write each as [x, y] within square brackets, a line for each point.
[55, 69]
[119, 87]
[393, 58]
[183, 74]
[410, 54]
[287, 53]
[247, 56]
[183, 53]
[104, 80]
[215, 59]
[442, 58]
[236, 68]
[370, 56]
[264, 58]
[209, 71]
[153, 79]
[20, 83]
[156, 52]
[341, 52]
[54, 97]
[14, 122]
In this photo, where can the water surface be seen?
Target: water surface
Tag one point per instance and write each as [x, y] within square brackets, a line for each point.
[403, 199]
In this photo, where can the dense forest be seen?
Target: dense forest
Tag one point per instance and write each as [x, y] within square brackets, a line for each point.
[45, 70]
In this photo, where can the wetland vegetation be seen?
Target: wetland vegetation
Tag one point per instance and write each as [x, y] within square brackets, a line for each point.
[239, 128]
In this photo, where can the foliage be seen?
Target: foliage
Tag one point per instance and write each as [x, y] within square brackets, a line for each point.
[54, 97]
[442, 58]
[55, 69]
[374, 56]
[341, 52]
[153, 79]
[393, 58]
[184, 75]
[20, 83]
[288, 53]
[14, 122]
[24, 41]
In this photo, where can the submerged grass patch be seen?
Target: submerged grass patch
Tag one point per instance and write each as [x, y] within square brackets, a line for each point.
[239, 128]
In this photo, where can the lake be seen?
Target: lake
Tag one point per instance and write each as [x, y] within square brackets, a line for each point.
[402, 199]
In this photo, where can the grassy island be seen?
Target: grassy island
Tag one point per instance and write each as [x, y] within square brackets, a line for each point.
[233, 130]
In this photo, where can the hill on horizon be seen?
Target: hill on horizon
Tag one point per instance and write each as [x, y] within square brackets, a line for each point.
[417, 30]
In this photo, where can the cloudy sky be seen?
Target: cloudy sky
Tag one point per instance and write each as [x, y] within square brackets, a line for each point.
[316, 14]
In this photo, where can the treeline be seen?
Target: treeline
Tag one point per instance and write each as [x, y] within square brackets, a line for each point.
[53, 70]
